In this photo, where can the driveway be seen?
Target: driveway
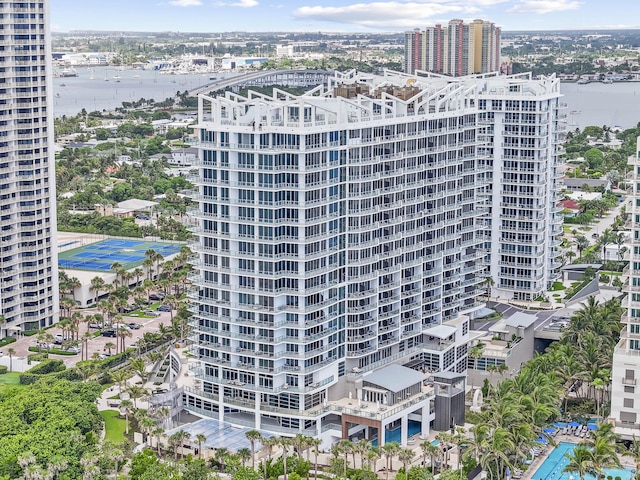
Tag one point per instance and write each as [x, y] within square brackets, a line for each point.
[96, 344]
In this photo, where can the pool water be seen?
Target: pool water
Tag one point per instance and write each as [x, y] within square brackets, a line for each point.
[414, 428]
[552, 467]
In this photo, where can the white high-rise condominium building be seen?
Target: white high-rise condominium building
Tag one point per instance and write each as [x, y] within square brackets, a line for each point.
[28, 262]
[625, 388]
[522, 123]
[339, 232]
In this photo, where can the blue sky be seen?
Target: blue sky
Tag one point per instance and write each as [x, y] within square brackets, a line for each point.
[335, 15]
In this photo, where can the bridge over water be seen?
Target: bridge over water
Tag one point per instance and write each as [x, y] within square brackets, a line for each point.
[289, 78]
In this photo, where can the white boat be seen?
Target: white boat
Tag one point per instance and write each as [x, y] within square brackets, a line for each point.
[116, 78]
[68, 72]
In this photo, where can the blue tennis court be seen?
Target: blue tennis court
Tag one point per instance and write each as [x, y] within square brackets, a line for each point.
[101, 255]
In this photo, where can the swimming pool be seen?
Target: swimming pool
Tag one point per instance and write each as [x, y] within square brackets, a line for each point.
[552, 467]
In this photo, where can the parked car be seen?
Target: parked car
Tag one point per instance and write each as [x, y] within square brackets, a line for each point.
[134, 326]
[156, 296]
[164, 308]
[59, 338]
[151, 312]
[95, 325]
[108, 333]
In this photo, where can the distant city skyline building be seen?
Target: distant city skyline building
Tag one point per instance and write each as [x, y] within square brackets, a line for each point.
[625, 372]
[28, 262]
[457, 49]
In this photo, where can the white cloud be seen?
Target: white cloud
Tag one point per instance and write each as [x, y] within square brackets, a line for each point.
[544, 6]
[386, 14]
[240, 3]
[185, 3]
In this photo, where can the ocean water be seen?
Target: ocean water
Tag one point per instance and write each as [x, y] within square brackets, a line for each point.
[601, 104]
[72, 94]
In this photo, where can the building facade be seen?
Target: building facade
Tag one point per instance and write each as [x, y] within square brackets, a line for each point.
[625, 391]
[339, 232]
[457, 49]
[523, 126]
[28, 263]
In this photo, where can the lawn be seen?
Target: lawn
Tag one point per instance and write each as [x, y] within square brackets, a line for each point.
[12, 378]
[113, 425]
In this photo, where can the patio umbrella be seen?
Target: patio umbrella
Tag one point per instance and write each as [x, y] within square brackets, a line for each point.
[592, 426]
[549, 430]
[574, 424]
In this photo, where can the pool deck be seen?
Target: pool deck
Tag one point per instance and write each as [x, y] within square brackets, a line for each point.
[625, 460]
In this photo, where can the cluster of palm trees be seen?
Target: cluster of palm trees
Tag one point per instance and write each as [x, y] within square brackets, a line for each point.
[593, 455]
[517, 410]
[608, 237]
[171, 279]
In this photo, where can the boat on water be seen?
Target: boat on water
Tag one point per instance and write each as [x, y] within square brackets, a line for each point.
[63, 85]
[607, 81]
[57, 95]
[116, 78]
[68, 72]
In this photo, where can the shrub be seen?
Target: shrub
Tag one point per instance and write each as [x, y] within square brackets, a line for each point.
[37, 357]
[6, 341]
[3, 369]
[48, 366]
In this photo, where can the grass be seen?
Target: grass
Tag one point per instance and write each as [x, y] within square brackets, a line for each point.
[10, 379]
[114, 426]
[557, 286]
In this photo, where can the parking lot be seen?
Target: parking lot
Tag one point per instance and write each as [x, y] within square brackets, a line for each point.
[96, 344]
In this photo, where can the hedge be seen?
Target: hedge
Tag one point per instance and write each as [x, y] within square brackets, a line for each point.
[53, 351]
[3, 369]
[6, 341]
[48, 366]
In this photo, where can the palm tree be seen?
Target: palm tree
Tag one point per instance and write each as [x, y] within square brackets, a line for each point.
[125, 408]
[430, 450]
[314, 444]
[253, 436]
[581, 244]
[139, 366]
[11, 353]
[117, 456]
[284, 443]
[109, 346]
[406, 456]
[200, 438]
[158, 432]
[389, 450]
[180, 437]
[221, 455]
[581, 461]
[73, 283]
[244, 454]
[136, 392]
[268, 444]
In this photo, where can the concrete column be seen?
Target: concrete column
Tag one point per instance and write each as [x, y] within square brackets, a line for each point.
[258, 413]
[381, 430]
[404, 430]
[319, 428]
[424, 427]
[221, 403]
